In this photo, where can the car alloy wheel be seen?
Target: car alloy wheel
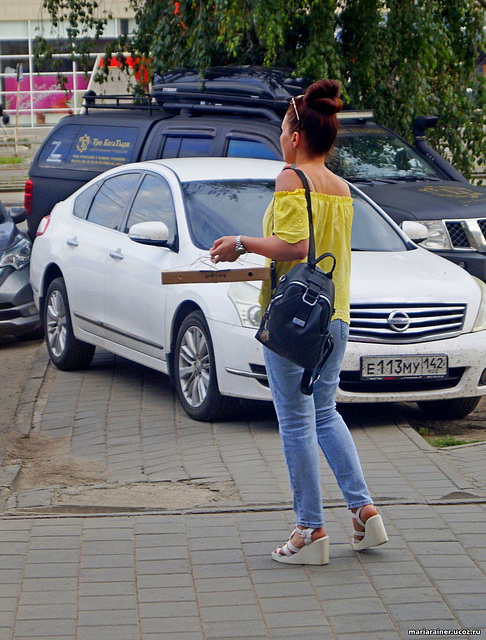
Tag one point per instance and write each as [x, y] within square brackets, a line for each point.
[56, 323]
[195, 371]
[65, 350]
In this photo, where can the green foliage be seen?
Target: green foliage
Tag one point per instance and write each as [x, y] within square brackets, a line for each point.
[402, 58]
[419, 57]
[10, 160]
[449, 441]
[83, 22]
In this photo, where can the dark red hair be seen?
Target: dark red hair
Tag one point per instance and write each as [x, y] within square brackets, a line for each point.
[317, 110]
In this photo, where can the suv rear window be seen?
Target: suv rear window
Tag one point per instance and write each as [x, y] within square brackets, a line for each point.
[240, 148]
[91, 148]
[181, 146]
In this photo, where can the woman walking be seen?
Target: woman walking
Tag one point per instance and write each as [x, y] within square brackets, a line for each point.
[309, 131]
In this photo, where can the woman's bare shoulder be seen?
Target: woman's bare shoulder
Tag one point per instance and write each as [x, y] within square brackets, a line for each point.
[335, 185]
[287, 181]
[342, 188]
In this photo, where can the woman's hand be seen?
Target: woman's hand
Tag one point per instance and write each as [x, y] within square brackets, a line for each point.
[224, 250]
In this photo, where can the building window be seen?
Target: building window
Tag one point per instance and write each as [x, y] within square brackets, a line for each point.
[28, 90]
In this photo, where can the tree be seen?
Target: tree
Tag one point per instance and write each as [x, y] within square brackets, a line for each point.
[401, 58]
[419, 57]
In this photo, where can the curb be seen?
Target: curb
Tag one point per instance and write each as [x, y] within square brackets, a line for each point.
[25, 409]
[22, 423]
[47, 511]
[436, 457]
[8, 475]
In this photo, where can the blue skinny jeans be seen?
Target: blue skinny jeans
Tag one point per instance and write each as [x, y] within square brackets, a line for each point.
[307, 422]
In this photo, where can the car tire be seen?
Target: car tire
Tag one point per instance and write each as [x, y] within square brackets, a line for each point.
[195, 371]
[454, 409]
[66, 352]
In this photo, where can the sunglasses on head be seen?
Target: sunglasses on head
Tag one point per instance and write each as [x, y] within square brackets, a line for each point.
[292, 102]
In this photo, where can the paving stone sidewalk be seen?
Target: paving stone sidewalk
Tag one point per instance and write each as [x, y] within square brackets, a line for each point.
[470, 461]
[204, 573]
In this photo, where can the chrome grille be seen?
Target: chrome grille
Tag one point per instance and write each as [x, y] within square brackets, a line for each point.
[457, 234]
[407, 322]
[482, 226]
[467, 234]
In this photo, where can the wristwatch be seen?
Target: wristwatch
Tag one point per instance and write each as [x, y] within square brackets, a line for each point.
[239, 246]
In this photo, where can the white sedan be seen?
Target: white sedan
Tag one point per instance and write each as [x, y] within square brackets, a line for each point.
[418, 329]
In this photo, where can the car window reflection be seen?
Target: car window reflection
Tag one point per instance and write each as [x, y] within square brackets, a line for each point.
[153, 202]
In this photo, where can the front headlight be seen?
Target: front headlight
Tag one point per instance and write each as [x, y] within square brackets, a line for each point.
[480, 324]
[245, 298]
[18, 255]
[438, 235]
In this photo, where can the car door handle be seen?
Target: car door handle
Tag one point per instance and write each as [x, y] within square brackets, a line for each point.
[118, 255]
[72, 242]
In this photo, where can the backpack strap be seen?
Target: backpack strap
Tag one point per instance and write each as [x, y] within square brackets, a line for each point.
[311, 256]
[309, 378]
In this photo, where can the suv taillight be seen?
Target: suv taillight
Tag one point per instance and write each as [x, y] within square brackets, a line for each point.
[28, 191]
[43, 224]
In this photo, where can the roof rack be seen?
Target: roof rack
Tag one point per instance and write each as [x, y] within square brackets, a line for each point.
[190, 102]
[140, 103]
[174, 100]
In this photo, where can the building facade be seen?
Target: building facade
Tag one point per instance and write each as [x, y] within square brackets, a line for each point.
[28, 88]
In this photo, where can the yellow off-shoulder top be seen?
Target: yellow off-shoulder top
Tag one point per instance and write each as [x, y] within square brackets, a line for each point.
[287, 218]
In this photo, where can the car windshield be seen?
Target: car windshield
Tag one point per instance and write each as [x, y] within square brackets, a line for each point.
[375, 154]
[372, 231]
[230, 207]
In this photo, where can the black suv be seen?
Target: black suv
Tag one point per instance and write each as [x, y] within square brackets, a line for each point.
[237, 111]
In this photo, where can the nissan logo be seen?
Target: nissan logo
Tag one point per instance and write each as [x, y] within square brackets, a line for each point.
[398, 321]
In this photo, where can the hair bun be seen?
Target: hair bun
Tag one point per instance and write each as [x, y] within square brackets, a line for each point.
[323, 96]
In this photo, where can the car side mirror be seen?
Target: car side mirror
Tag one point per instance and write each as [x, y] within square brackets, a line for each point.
[416, 231]
[18, 214]
[154, 233]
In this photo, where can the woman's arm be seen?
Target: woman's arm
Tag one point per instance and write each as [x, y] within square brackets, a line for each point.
[224, 248]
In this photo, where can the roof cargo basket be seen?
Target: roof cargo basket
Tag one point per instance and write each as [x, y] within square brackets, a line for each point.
[226, 87]
[273, 83]
[262, 92]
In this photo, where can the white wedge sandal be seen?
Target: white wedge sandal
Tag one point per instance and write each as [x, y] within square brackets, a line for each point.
[313, 551]
[374, 533]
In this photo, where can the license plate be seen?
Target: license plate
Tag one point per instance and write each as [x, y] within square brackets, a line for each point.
[396, 368]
